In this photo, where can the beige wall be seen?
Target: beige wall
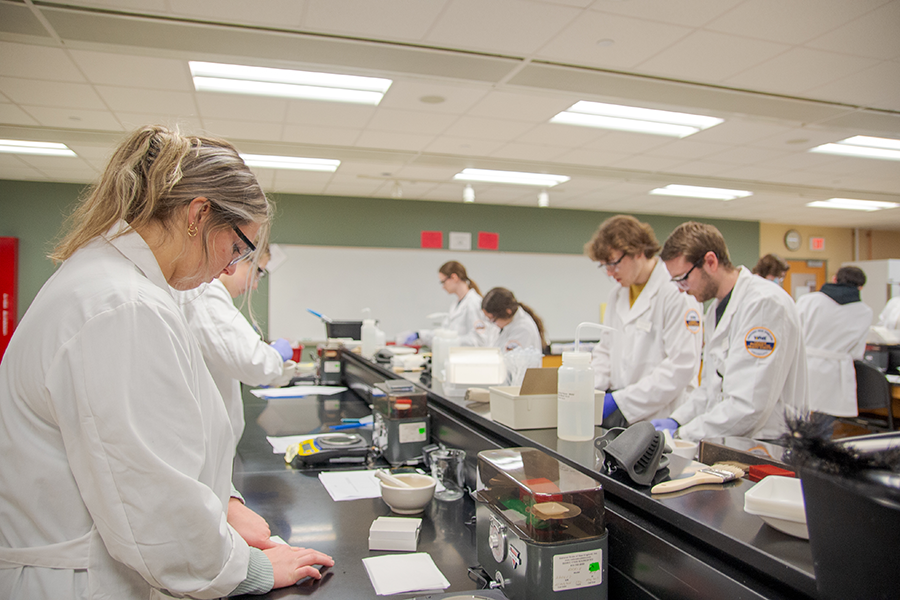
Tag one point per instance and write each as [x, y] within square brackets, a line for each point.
[877, 245]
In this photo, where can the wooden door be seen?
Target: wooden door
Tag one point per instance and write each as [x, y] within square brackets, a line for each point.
[804, 276]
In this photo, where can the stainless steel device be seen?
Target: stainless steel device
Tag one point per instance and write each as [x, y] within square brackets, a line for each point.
[540, 527]
[400, 421]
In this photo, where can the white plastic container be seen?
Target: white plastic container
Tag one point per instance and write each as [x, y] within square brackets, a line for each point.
[779, 502]
[369, 335]
[441, 343]
[575, 398]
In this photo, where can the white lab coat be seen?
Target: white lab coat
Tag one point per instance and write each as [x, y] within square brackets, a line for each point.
[522, 332]
[834, 335]
[467, 319]
[653, 358]
[890, 314]
[232, 349]
[117, 449]
[754, 365]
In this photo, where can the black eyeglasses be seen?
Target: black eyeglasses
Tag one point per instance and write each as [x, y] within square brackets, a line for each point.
[610, 266]
[250, 247]
[681, 281]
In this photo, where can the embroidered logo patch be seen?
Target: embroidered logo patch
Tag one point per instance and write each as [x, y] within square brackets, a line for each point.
[760, 342]
[692, 321]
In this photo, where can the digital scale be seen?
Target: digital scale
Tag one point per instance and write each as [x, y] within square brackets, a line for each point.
[401, 426]
[540, 530]
[327, 448]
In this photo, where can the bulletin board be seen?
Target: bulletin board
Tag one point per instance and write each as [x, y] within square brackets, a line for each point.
[400, 287]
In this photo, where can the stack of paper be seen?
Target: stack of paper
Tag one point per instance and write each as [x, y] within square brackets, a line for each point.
[350, 485]
[394, 533]
[400, 573]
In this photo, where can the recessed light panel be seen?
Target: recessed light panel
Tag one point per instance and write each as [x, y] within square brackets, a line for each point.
[291, 162]
[633, 119]
[693, 191]
[852, 204]
[40, 148]
[287, 83]
[863, 146]
[514, 177]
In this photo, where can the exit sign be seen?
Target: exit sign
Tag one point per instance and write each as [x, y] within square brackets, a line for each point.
[817, 243]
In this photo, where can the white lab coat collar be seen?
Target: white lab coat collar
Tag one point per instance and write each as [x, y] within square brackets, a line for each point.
[740, 287]
[134, 248]
[658, 276]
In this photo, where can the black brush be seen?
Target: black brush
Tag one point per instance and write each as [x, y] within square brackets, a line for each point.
[809, 445]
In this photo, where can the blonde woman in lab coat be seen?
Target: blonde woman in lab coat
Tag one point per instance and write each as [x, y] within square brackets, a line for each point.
[520, 327]
[754, 361]
[117, 445]
[650, 363]
[835, 325]
[465, 316]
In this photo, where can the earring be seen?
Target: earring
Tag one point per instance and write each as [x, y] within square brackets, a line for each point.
[192, 229]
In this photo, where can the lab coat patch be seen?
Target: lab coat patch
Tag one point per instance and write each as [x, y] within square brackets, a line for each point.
[760, 342]
[692, 321]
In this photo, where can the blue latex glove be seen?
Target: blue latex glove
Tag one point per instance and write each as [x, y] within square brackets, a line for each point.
[411, 339]
[669, 424]
[609, 405]
[284, 348]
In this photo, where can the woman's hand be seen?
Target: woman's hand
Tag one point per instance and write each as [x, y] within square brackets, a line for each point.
[290, 564]
[252, 527]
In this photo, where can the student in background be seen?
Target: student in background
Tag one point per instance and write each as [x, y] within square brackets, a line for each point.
[835, 325]
[519, 326]
[122, 492]
[650, 363]
[754, 363]
[772, 267]
[890, 314]
[465, 316]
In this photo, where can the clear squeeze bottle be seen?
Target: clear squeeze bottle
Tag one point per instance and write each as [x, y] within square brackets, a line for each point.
[575, 400]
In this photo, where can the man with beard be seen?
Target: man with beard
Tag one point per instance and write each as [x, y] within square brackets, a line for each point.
[754, 362]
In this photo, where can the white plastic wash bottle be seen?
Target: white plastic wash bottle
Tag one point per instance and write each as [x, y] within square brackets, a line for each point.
[575, 400]
[369, 338]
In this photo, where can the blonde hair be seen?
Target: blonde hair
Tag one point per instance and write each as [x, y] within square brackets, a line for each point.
[154, 174]
[454, 268]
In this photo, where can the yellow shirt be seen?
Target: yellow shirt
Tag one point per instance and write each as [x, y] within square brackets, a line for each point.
[634, 291]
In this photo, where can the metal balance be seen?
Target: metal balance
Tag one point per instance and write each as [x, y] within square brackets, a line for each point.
[400, 421]
[540, 530]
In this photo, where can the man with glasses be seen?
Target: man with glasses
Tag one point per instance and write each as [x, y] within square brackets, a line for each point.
[754, 362]
[651, 361]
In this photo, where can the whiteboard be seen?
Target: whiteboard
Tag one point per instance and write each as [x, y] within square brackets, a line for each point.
[400, 287]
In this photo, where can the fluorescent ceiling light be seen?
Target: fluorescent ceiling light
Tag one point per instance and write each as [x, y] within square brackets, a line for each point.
[633, 119]
[43, 148]
[286, 83]
[693, 191]
[863, 146]
[851, 204]
[515, 177]
[291, 162]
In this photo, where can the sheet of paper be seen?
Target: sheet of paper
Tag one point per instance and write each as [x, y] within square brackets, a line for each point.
[399, 573]
[280, 443]
[350, 485]
[298, 391]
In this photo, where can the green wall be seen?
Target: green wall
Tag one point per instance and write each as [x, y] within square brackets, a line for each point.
[34, 213]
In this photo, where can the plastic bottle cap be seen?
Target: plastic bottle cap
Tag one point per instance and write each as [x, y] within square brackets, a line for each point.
[576, 358]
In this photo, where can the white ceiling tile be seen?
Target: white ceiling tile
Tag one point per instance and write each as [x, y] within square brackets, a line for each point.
[687, 149]
[50, 93]
[737, 130]
[393, 141]
[265, 178]
[33, 62]
[50, 163]
[566, 136]
[10, 114]
[692, 13]
[798, 70]
[408, 93]
[356, 189]
[184, 124]
[528, 152]
[425, 173]
[374, 19]
[162, 102]
[710, 57]
[108, 68]
[85, 175]
[521, 105]
[334, 114]
[408, 121]
[326, 136]
[504, 26]
[74, 118]
[793, 22]
[874, 34]
[156, 6]
[479, 128]
[373, 170]
[700, 167]
[463, 146]
[21, 173]
[274, 13]
[233, 129]
[590, 158]
[748, 155]
[647, 163]
[230, 106]
[630, 143]
[877, 87]
[633, 41]
[752, 173]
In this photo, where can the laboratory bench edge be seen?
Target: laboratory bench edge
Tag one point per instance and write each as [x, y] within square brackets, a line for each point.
[697, 544]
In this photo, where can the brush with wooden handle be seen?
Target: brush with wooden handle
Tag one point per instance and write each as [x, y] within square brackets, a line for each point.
[718, 473]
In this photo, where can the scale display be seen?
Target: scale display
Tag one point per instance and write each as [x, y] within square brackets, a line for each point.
[327, 448]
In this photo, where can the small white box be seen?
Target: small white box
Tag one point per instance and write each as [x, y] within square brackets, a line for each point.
[533, 405]
[394, 533]
[779, 502]
[472, 366]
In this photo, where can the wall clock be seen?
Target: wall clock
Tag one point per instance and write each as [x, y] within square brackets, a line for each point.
[792, 239]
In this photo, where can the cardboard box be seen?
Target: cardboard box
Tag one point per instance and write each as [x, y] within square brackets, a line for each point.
[533, 405]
